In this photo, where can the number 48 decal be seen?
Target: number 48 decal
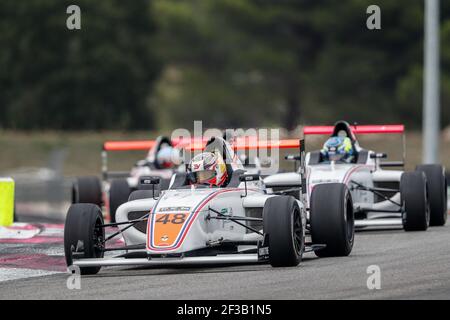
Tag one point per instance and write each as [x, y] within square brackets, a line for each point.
[177, 218]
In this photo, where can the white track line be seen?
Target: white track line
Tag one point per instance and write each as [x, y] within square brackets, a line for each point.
[7, 274]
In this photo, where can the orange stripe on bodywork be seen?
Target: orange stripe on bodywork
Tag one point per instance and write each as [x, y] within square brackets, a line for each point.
[168, 227]
[184, 229]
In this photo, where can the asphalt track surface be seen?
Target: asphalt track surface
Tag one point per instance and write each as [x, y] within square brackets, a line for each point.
[413, 265]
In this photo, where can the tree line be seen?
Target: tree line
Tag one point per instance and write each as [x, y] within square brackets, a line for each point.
[162, 64]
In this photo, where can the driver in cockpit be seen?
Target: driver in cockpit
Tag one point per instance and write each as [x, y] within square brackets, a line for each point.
[209, 169]
[338, 148]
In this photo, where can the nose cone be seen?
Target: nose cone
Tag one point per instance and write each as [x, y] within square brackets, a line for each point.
[172, 218]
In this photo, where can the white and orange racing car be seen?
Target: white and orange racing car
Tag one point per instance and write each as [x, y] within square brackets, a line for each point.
[197, 224]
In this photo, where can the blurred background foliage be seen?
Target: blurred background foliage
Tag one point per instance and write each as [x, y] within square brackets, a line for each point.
[159, 65]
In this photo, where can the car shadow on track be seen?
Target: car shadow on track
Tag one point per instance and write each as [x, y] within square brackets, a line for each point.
[139, 271]
[380, 230]
[210, 269]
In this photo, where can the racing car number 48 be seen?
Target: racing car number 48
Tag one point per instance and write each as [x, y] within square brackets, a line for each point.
[177, 218]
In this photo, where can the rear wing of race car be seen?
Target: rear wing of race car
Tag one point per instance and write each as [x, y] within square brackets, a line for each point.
[357, 129]
[252, 143]
[195, 144]
[299, 159]
[113, 146]
[367, 129]
[134, 145]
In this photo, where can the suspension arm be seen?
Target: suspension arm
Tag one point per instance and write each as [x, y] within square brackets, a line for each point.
[221, 216]
[144, 218]
[377, 191]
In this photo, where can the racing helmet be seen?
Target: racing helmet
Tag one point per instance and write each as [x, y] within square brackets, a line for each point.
[337, 149]
[168, 157]
[208, 168]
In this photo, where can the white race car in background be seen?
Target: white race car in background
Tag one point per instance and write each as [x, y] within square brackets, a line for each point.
[379, 198]
[195, 224]
[116, 187]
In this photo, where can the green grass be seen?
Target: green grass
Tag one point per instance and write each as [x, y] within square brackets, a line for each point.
[82, 150]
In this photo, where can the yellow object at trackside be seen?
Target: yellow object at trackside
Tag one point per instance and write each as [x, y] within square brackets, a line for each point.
[6, 201]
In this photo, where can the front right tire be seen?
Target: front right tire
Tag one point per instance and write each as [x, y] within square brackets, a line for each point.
[283, 225]
[84, 235]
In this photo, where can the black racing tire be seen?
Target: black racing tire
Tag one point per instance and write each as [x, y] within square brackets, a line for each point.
[87, 190]
[143, 194]
[119, 191]
[84, 235]
[164, 184]
[283, 225]
[414, 200]
[437, 192]
[332, 220]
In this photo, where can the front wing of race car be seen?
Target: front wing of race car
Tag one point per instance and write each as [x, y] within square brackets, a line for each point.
[141, 258]
[171, 261]
[254, 252]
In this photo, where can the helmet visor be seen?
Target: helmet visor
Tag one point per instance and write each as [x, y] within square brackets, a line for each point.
[204, 176]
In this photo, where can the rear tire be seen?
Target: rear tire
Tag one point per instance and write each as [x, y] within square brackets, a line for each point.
[332, 219]
[164, 184]
[284, 227]
[143, 194]
[83, 235]
[119, 192]
[87, 190]
[414, 200]
[437, 192]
